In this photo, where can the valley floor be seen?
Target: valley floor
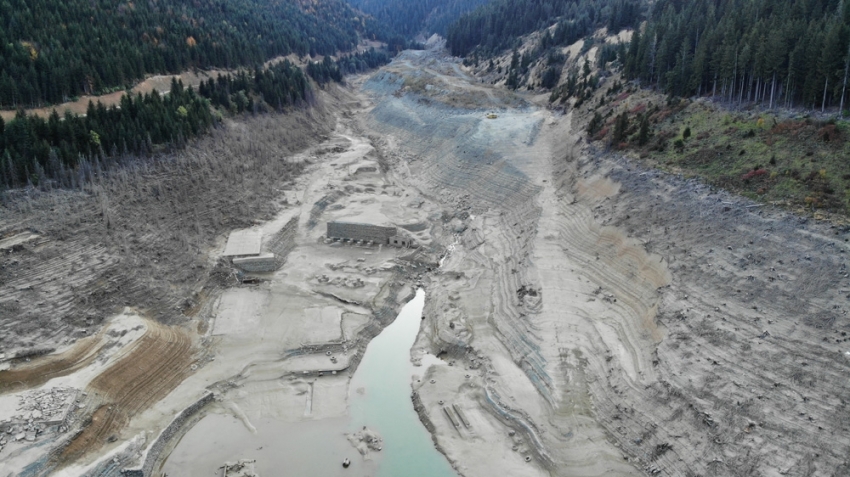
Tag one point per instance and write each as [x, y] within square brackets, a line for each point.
[599, 318]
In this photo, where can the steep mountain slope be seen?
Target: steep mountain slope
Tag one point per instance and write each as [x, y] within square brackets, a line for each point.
[411, 18]
[753, 73]
[53, 50]
[499, 25]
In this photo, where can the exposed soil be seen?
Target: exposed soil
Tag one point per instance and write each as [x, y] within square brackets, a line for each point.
[140, 236]
[161, 83]
[23, 376]
[673, 328]
[158, 362]
[597, 317]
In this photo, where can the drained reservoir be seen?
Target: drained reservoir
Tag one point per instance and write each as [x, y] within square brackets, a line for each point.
[379, 398]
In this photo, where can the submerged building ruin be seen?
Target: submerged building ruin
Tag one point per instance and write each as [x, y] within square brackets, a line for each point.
[244, 247]
[368, 234]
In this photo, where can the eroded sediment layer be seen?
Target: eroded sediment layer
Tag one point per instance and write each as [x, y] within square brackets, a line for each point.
[158, 362]
[535, 295]
[618, 320]
[595, 318]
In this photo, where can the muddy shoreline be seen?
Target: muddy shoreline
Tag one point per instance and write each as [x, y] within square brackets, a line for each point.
[594, 317]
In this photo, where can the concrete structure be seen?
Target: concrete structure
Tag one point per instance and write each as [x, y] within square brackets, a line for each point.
[264, 262]
[361, 232]
[245, 247]
[244, 243]
[152, 457]
[368, 233]
[400, 241]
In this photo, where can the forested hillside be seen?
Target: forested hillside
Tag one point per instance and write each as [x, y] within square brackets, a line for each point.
[788, 53]
[52, 50]
[70, 151]
[496, 26]
[410, 18]
[794, 53]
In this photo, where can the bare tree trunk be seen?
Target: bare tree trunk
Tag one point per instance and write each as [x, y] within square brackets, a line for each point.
[772, 89]
[788, 92]
[734, 78]
[714, 90]
[652, 57]
[823, 104]
[844, 86]
[741, 93]
[766, 90]
[750, 88]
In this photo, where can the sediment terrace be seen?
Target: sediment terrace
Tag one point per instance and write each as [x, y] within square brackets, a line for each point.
[598, 318]
[619, 320]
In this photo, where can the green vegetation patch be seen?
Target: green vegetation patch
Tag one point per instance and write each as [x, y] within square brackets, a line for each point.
[798, 162]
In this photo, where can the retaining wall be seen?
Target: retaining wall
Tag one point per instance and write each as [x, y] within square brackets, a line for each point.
[365, 232]
[152, 456]
[263, 263]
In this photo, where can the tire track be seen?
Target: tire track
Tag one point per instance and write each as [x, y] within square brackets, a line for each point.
[160, 360]
[40, 371]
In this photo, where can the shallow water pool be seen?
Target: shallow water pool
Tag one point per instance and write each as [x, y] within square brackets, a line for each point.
[379, 398]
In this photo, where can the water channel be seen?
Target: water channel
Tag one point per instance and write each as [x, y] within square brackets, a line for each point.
[379, 397]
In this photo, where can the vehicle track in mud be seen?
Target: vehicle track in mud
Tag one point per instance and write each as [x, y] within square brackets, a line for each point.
[652, 298]
[159, 361]
[26, 375]
[601, 318]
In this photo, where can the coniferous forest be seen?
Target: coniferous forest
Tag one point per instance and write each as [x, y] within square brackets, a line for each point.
[69, 151]
[792, 53]
[329, 70]
[497, 26]
[51, 51]
[409, 18]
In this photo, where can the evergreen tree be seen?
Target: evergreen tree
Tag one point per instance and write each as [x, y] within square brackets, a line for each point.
[497, 25]
[770, 53]
[621, 127]
[643, 133]
[103, 45]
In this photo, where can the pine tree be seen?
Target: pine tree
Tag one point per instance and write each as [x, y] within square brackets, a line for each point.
[621, 126]
[594, 125]
[643, 134]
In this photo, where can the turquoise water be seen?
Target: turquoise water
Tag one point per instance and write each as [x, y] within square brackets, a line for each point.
[379, 398]
[385, 405]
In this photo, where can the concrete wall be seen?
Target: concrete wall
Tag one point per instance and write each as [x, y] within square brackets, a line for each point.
[366, 232]
[152, 456]
[262, 263]
[400, 241]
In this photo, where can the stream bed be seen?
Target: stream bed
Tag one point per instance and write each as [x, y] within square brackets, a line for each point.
[379, 398]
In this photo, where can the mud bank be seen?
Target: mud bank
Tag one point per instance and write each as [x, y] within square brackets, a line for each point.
[591, 317]
[153, 455]
[603, 319]
[250, 338]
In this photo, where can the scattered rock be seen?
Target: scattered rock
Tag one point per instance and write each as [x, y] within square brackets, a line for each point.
[365, 441]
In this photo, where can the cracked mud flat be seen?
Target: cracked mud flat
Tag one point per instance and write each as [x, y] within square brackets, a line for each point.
[595, 318]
